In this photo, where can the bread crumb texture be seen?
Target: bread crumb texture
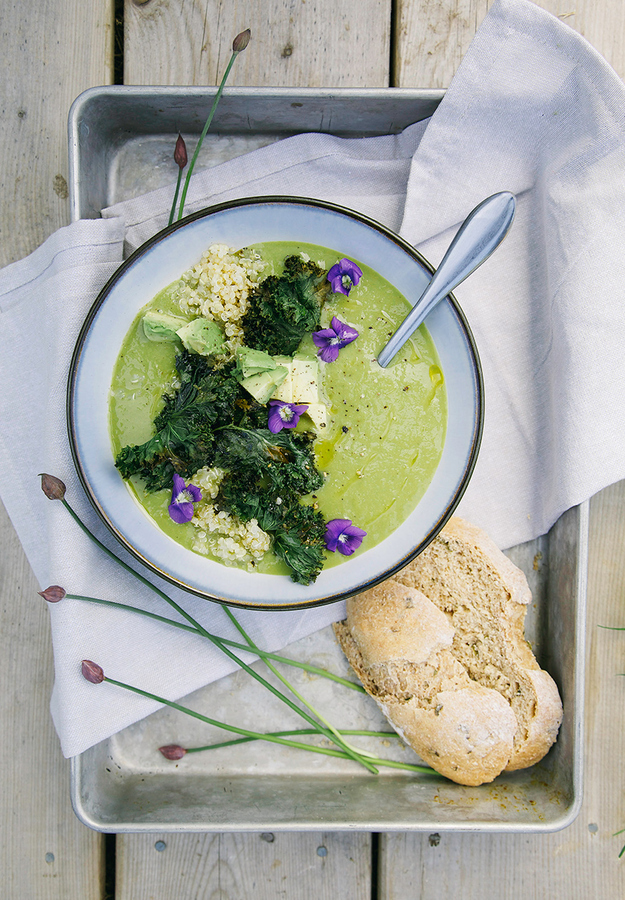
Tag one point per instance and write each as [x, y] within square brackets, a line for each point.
[441, 648]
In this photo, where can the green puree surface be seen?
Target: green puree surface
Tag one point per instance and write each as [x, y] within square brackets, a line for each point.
[386, 427]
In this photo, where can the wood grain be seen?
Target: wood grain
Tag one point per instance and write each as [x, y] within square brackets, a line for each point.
[294, 42]
[45, 852]
[49, 52]
[432, 36]
[261, 866]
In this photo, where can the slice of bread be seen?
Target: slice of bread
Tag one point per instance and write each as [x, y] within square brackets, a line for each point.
[441, 648]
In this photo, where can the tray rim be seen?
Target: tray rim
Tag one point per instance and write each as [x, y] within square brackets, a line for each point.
[171, 92]
[439, 825]
[582, 529]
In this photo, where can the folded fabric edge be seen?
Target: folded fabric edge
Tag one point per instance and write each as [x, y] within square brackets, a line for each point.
[84, 235]
[310, 147]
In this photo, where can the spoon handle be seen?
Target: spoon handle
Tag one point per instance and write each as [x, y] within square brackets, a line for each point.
[480, 233]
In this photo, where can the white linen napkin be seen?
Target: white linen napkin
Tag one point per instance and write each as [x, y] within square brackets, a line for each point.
[533, 109]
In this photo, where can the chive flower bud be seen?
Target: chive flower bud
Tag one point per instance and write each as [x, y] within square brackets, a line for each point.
[53, 487]
[92, 672]
[241, 41]
[52, 594]
[180, 152]
[172, 751]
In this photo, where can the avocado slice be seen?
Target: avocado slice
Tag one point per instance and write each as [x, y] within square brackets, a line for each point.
[263, 385]
[302, 386]
[159, 326]
[253, 362]
[201, 336]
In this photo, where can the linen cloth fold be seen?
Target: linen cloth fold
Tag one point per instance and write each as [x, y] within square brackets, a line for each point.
[532, 109]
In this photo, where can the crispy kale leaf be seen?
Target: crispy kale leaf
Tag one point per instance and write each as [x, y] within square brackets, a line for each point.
[268, 473]
[210, 421]
[184, 439]
[280, 463]
[297, 529]
[300, 542]
[283, 308]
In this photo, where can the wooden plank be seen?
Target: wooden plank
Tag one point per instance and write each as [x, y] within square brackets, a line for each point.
[432, 37]
[263, 866]
[49, 52]
[581, 861]
[45, 852]
[294, 42]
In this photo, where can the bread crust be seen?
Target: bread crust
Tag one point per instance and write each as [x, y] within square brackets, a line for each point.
[441, 648]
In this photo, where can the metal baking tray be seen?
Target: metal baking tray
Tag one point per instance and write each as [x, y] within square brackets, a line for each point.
[121, 144]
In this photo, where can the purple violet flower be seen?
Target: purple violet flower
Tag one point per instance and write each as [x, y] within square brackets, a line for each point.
[284, 415]
[344, 275]
[341, 535]
[331, 340]
[183, 496]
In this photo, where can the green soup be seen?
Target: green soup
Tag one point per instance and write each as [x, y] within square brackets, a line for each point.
[386, 427]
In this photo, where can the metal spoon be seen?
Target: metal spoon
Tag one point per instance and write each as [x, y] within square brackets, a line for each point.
[480, 233]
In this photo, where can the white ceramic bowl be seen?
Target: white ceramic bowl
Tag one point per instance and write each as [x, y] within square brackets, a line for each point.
[160, 261]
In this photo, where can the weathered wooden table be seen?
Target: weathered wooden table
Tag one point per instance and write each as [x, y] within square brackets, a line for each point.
[51, 51]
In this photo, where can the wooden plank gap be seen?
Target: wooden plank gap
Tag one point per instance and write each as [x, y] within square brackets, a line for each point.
[110, 853]
[118, 42]
[375, 859]
[393, 46]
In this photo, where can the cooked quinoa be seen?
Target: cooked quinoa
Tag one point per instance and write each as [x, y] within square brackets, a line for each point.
[219, 533]
[218, 287]
[208, 480]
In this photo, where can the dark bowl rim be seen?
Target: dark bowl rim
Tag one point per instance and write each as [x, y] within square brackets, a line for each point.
[156, 239]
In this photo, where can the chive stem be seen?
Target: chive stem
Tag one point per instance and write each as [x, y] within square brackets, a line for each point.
[252, 735]
[295, 692]
[175, 200]
[411, 767]
[235, 53]
[217, 642]
[307, 667]
[271, 737]
[304, 731]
